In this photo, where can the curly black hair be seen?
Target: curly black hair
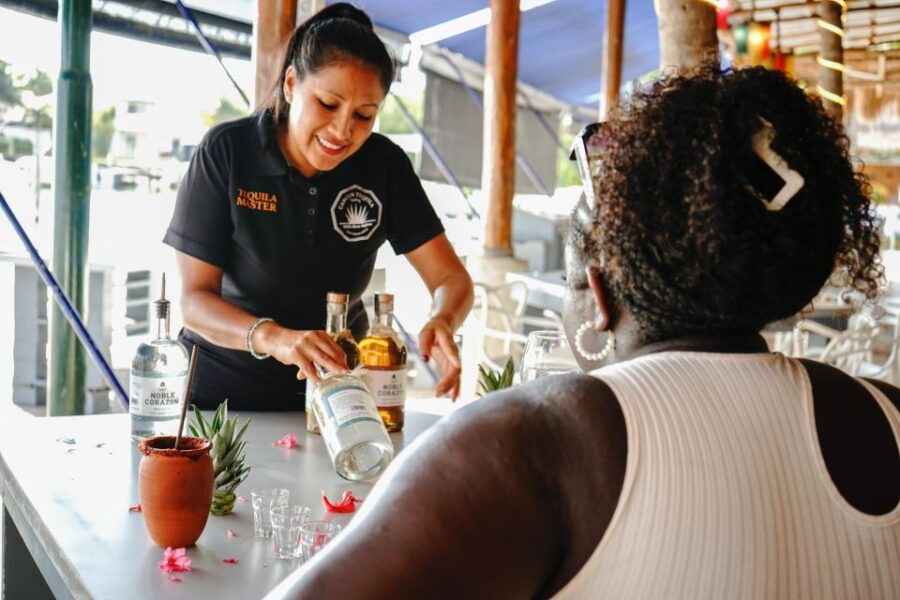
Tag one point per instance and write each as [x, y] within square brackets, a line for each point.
[682, 238]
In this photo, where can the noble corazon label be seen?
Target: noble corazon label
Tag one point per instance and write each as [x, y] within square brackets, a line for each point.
[356, 213]
[155, 395]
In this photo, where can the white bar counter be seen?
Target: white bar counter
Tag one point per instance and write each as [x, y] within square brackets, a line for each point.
[67, 484]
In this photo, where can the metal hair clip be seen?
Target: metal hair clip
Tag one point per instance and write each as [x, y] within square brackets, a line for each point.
[793, 181]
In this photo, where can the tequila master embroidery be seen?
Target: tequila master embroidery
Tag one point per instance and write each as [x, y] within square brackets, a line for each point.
[263, 201]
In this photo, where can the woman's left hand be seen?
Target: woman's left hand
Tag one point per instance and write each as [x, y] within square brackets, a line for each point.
[436, 341]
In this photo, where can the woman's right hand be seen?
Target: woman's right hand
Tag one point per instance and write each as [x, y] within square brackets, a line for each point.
[304, 349]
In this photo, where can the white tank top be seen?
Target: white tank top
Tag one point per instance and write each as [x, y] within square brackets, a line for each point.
[726, 494]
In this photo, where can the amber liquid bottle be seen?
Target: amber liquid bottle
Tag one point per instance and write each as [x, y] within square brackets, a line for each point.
[384, 355]
[336, 327]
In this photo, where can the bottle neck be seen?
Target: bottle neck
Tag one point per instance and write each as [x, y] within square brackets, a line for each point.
[385, 318]
[336, 321]
[162, 328]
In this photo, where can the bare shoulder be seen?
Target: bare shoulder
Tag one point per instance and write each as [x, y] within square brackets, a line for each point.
[574, 432]
[510, 490]
[564, 410]
[855, 438]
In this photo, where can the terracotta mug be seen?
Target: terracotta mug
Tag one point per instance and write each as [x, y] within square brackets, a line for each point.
[175, 488]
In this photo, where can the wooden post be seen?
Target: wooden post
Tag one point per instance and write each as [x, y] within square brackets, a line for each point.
[498, 173]
[613, 40]
[687, 32]
[275, 21]
[831, 54]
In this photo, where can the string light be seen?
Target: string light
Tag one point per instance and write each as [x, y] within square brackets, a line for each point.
[837, 30]
[830, 64]
[829, 27]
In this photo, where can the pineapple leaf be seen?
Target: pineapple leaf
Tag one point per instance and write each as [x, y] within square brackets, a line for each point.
[200, 422]
[241, 433]
[217, 420]
[491, 381]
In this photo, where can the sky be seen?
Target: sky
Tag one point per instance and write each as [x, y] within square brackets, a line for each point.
[183, 84]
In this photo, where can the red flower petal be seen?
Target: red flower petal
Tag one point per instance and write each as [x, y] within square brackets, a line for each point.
[230, 560]
[135, 508]
[345, 505]
[175, 579]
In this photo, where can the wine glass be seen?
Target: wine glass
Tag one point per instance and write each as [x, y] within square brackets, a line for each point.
[546, 353]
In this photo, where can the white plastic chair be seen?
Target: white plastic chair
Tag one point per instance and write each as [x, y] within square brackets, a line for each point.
[499, 322]
[867, 348]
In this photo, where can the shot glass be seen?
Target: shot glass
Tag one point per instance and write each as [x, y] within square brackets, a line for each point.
[314, 535]
[264, 500]
[286, 522]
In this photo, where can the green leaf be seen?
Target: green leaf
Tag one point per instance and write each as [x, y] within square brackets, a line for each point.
[201, 422]
[217, 419]
[241, 433]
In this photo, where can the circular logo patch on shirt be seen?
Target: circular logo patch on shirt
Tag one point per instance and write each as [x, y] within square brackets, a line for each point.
[356, 213]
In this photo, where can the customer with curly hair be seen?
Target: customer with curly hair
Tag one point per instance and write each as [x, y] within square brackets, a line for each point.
[690, 462]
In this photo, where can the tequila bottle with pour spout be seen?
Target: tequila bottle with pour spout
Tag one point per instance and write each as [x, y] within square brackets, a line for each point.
[158, 374]
[336, 328]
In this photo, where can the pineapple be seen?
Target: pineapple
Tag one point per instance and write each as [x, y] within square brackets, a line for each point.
[228, 455]
[491, 381]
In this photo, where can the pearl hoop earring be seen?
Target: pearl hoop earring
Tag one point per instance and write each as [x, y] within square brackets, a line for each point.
[593, 356]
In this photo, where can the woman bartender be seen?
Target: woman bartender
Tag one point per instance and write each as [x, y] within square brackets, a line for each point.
[279, 208]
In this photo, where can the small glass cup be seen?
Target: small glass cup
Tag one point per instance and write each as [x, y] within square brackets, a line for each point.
[264, 500]
[314, 535]
[286, 522]
[546, 353]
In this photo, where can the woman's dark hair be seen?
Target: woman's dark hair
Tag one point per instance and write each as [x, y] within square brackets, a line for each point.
[338, 32]
[681, 237]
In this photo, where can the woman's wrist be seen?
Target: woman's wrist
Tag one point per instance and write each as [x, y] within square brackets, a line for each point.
[446, 319]
[263, 339]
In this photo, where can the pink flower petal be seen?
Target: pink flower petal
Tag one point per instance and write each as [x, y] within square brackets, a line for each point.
[230, 533]
[230, 560]
[241, 499]
[175, 560]
[175, 579]
[135, 508]
[288, 441]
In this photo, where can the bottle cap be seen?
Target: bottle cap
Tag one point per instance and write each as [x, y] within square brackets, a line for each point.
[336, 297]
[384, 302]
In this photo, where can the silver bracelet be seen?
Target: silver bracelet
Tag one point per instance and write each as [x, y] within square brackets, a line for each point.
[250, 331]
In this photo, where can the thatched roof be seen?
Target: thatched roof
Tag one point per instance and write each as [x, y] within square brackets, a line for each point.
[871, 46]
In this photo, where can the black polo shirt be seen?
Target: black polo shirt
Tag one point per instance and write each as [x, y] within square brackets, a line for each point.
[283, 240]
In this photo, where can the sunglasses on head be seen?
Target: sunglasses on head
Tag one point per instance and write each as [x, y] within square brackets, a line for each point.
[586, 150]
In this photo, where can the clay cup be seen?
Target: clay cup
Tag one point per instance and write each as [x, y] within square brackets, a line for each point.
[175, 488]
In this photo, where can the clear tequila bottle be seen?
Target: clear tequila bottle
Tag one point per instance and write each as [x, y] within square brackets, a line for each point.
[383, 354]
[357, 442]
[336, 327]
[158, 374]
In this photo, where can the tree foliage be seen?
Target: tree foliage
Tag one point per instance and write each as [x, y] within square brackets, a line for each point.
[10, 95]
[104, 125]
[226, 111]
[391, 119]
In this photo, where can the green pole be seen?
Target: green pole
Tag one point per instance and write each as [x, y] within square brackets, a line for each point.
[72, 148]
